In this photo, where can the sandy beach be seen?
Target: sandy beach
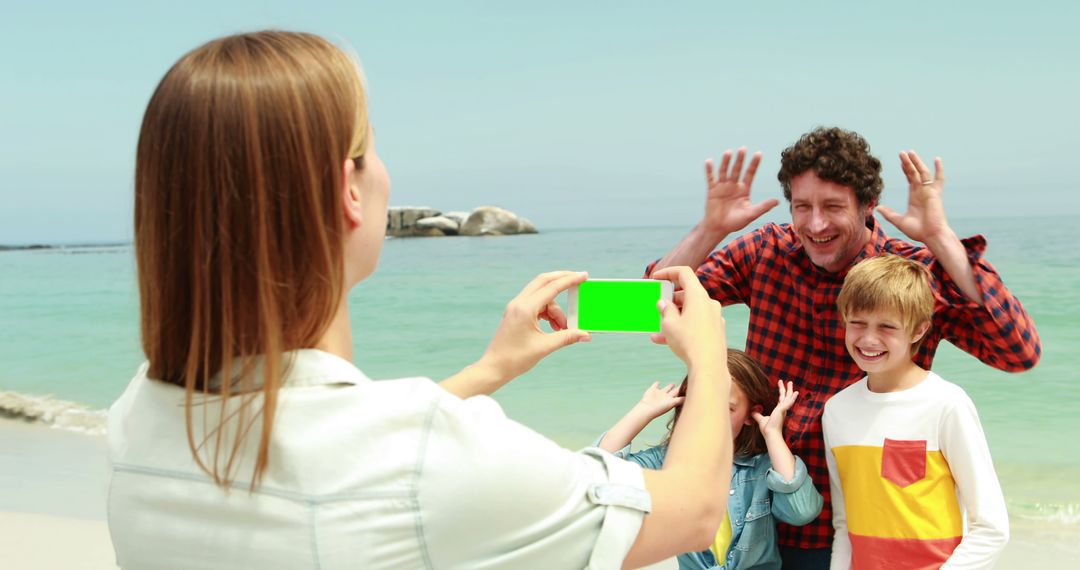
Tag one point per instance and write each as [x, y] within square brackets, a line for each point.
[52, 503]
[52, 507]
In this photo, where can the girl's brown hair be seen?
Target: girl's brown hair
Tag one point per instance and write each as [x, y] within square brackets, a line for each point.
[239, 225]
[747, 374]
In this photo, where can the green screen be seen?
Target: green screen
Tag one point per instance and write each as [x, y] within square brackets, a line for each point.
[619, 306]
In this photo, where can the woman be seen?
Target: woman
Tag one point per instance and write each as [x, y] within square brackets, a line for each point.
[249, 439]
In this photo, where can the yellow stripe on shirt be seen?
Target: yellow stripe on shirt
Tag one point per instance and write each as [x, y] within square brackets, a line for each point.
[926, 509]
[722, 541]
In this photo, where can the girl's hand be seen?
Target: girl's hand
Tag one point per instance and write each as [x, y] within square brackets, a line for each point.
[774, 423]
[657, 401]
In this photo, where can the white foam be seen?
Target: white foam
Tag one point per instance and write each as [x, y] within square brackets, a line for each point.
[1066, 514]
[60, 414]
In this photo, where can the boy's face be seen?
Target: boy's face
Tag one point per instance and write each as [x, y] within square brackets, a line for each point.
[879, 340]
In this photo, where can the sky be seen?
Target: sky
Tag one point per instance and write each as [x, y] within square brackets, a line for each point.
[572, 114]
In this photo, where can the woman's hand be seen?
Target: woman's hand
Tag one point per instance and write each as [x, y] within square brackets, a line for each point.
[694, 331]
[519, 343]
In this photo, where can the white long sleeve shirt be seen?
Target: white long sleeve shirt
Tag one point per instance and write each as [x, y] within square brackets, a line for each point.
[907, 469]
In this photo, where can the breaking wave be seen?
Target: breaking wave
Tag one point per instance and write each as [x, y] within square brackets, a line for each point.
[60, 414]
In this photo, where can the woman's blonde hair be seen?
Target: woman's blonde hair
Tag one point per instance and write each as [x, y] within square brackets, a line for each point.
[239, 224]
[747, 374]
[891, 283]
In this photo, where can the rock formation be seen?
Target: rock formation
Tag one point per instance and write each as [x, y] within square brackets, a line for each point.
[411, 221]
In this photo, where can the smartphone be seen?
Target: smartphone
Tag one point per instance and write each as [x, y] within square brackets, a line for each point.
[617, 305]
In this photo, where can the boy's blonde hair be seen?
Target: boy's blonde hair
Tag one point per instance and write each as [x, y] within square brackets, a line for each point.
[893, 283]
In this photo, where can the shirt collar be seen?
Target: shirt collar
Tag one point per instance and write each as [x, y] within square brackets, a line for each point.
[313, 367]
[744, 460]
[305, 367]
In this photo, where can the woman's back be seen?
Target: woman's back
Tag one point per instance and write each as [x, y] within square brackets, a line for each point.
[363, 474]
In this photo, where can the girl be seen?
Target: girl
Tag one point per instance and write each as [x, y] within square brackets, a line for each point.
[250, 440]
[766, 479]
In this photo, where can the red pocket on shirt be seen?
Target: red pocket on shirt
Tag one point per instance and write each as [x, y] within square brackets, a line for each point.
[903, 461]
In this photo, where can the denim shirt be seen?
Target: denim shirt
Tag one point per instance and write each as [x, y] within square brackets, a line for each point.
[758, 495]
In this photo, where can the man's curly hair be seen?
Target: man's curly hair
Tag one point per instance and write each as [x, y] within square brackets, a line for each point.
[834, 155]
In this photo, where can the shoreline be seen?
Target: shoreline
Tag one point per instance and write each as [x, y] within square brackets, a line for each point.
[62, 482]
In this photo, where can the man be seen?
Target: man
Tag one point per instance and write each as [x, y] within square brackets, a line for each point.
[790, 275]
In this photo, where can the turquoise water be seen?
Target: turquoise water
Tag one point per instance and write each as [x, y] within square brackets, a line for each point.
[69, 330]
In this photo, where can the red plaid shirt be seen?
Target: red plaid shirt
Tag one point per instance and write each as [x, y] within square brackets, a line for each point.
[796, 333]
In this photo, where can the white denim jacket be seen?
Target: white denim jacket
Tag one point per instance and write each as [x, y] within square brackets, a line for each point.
[363, 474]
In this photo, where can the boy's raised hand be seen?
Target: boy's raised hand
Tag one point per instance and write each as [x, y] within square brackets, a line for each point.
[774, 422]
[657, 401]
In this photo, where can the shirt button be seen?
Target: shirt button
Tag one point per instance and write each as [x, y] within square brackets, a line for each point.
[738, 522]
[731, 492]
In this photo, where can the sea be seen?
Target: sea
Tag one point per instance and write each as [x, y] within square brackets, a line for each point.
[69, 341]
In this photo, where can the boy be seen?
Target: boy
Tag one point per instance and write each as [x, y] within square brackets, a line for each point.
[905, 449]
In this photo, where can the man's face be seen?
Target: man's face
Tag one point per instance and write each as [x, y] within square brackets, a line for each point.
[828, 220]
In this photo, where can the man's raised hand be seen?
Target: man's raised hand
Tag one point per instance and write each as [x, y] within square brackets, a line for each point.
[925, 217]
[727, 197]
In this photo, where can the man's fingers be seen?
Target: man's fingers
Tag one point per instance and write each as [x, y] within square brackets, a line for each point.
[939, 170]
[752, 169]
[908, 167]
[725, 162]
[759, 210]
[889, 214]
[709, 178]
[920, 167]
[736, 171]
[657, 338]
